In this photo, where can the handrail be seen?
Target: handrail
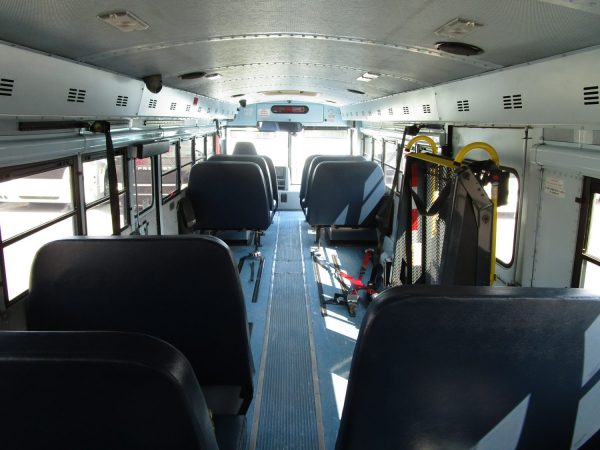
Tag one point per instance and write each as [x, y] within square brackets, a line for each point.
[431, 142]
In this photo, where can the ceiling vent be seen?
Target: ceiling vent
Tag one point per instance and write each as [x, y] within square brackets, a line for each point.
[122, 100]
[427, 109]
[514, 101]
[187, 108]
[590, 95]
[458, 48]
[462, 105]
[173, 106]
[192, 75]
[405, 110]
[356, 91]
[124, 21]
[76, 95]
[6, 87]
[152, 103]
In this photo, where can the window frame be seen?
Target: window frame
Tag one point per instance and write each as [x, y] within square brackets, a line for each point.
[22, 171]
[122, 152]
[517, 218]
[591, 186]
[177, 170]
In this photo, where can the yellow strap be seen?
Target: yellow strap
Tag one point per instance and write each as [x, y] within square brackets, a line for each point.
[434, 159]
[427, 139]
[478, 145]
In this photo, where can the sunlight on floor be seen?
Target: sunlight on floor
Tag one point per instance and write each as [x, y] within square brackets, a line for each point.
[341, 325]
[339, 390]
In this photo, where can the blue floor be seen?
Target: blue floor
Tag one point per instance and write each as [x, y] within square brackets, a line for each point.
[301, 365]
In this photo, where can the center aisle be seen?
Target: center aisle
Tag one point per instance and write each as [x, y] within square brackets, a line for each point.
[287, 408]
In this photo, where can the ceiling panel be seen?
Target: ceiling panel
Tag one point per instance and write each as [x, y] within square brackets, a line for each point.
[391, 37]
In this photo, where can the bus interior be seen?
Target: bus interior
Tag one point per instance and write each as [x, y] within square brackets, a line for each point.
[300, 225]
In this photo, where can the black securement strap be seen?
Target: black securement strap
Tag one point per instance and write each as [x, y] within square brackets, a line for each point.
[104, 127]
[436, 206]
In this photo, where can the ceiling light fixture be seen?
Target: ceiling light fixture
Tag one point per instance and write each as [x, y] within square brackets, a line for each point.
[458, 28]
[213, 76]
[366, 80]
[356, 91]
[124, 21]
[370, 75]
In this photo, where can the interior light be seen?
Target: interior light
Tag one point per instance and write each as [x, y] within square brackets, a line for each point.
[213, 76]
[371, 76]
[124, 21]
[366, 80]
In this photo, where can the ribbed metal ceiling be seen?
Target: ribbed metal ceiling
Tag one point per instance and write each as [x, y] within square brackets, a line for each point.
[317, 45]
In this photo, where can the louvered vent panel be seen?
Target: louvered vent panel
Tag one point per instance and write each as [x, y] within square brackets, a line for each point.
[378, 112]
[122, 100]
[173, 106]
[405, 110]
[514, 101]
[76, 95]
[590, 95]
[427, 109]
[6, 87]
[462, 105]
[152, 103]
[517, 101]
[188, 107]
[390, 111]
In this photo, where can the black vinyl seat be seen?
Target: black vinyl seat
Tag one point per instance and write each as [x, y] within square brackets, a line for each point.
[228, 195]
[475, 368]
[244, 148]
[273, 177]
[184, 290]
[345, 194]
[261, 161]
[98, 391]
[308, 171]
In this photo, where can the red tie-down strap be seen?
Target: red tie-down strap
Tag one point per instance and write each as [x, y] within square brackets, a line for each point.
[357, 283]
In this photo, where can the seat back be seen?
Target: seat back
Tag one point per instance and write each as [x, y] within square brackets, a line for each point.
[475, 368]
[304, 180]
[184, 290]
[273, 176]
[345, 193]
[98, 391]
[244, 148]
[260, 161]
[229, 196]
[314, 162]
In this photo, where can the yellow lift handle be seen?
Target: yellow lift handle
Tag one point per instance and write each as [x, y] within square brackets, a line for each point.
[477, 145]
[431, 142]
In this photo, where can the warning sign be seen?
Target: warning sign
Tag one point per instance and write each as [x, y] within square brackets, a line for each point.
[263, 112]
[555, 186]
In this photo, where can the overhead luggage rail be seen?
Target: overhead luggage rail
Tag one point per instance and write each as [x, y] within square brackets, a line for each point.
[447, 222]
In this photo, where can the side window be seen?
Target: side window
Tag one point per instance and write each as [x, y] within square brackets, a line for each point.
[377, 150]
[586, 272]
[368, 147]
[389, 165]
[186, 159]
[507, 221]
[170, 183]
[143, 183]
[210, 147]
[36, 207]
[97, 197]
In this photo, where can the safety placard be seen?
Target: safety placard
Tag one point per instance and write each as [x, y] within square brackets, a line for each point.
[555, 186]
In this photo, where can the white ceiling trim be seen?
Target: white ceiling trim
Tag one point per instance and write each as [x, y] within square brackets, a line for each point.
[310, 36]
